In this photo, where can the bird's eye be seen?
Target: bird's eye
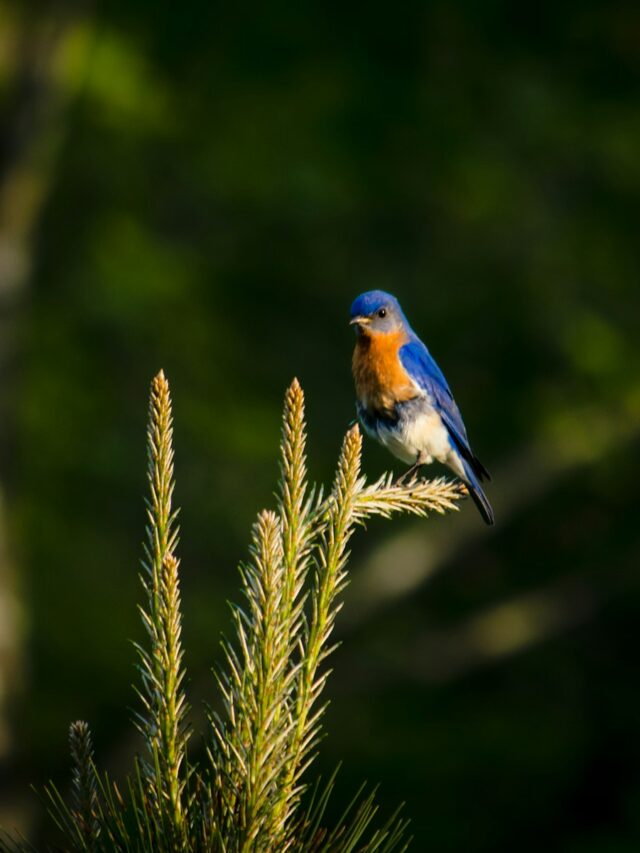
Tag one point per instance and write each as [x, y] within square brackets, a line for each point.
[382, 313]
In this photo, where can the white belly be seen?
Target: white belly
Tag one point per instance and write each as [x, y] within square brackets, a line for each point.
[423, 435]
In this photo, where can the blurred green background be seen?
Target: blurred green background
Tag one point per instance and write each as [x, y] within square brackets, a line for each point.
[205, 188]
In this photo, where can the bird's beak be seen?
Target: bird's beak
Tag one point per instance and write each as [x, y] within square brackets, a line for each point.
[360, 321]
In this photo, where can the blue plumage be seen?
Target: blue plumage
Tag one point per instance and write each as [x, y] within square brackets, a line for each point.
[404, 400]
[372, 301]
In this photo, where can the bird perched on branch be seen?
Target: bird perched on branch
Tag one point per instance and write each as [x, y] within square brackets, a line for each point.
[403, 399]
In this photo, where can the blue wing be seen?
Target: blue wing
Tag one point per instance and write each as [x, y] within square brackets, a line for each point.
[417, 361]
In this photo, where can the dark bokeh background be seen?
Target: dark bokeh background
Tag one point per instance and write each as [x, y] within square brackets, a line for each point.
[204, 188]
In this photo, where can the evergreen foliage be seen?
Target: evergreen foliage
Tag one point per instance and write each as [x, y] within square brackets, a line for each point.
[250, 794]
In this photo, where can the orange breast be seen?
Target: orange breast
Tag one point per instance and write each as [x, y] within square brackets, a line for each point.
[380, 379]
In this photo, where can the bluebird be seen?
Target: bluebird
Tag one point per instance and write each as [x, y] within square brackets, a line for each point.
[403, 399]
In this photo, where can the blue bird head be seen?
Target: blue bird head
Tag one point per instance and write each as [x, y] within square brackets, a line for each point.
[377, 311]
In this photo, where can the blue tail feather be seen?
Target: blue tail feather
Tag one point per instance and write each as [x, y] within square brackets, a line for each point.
[478, 496]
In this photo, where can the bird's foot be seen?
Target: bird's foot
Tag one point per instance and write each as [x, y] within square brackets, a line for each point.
[408, 474]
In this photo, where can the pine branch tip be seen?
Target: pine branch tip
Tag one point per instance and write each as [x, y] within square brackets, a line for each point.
[295, 387]
[160, 393]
